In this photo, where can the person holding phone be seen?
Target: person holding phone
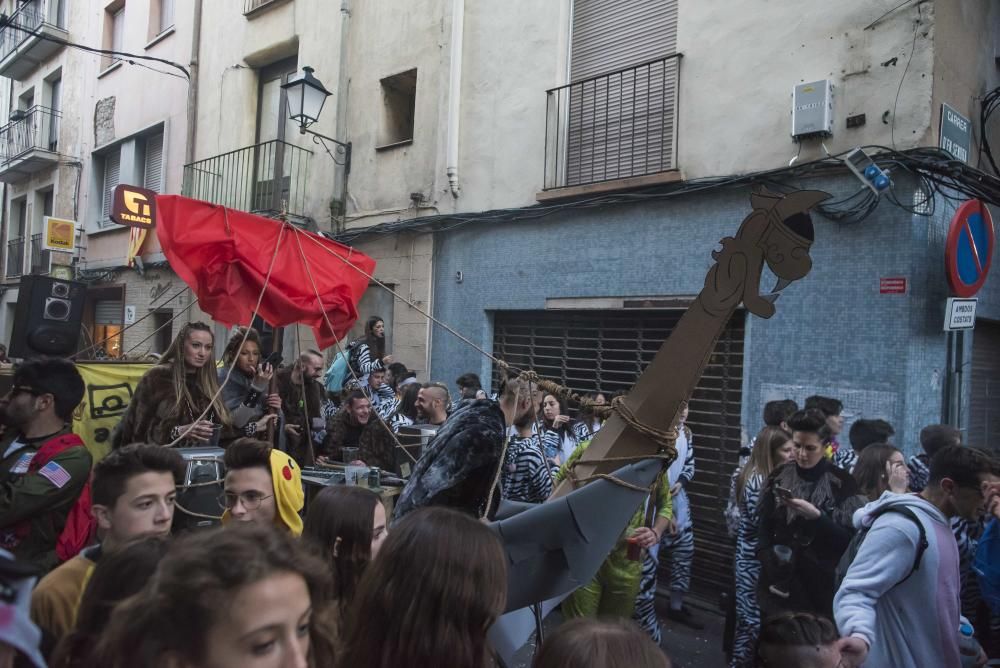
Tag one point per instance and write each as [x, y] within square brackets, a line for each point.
[806, 508]
[246, 394]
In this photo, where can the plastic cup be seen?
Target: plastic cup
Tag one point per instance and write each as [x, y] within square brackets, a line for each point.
[350, 454]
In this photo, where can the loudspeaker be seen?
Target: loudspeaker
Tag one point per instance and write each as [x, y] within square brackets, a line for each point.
[198, 500]
[47, 318]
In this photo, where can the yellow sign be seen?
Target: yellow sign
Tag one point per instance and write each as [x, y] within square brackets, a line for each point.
[60, 235]
[110, 387]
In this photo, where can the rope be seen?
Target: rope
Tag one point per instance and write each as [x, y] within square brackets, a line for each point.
[195, 514]
[503, 365]
[164, 325]
[229, 372]
[94, 346]
[333, 331]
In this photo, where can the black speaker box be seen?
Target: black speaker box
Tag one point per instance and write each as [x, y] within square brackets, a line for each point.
[48, 317]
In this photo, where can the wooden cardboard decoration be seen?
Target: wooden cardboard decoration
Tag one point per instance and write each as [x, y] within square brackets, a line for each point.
[778, 233]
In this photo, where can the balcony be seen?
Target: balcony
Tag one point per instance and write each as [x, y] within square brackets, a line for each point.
[41, 259]
[26, 40]
[269, 179]
[29, 143]
[15, 258]
[616, 127]
[252, 8]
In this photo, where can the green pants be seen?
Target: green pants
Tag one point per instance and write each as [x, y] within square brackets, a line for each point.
[611, 593]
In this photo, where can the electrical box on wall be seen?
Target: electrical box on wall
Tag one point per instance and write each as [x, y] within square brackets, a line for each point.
[812, 110]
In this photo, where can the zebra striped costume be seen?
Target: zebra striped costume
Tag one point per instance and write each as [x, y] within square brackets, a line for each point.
[846, 458]
[920, 472]
[525, 475]
[560, 443]
[384, 401]
[645, 601]
[399, 420]
[747, 570]
[678, 549]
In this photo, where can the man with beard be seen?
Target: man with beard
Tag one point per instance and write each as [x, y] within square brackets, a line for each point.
[302, 403]
[44, 467]
[432, 405]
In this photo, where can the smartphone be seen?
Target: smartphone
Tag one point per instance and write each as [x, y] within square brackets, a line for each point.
[782, 492]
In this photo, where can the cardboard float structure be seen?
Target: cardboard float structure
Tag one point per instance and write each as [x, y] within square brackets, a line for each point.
[557, 546]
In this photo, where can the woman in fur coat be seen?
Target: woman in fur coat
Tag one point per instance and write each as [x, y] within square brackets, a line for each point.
[170, 398]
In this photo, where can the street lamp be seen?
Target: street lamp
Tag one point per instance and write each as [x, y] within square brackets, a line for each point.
[306, 95]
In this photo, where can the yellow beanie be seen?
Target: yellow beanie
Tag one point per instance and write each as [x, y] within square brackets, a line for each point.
[286, 476]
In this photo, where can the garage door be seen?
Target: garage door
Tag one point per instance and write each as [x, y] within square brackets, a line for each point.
[984, 402]
[606, 351]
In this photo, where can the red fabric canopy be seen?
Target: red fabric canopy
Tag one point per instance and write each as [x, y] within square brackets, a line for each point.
[224, 255]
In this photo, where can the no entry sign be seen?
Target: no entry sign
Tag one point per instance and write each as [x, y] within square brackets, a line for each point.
[969, 249]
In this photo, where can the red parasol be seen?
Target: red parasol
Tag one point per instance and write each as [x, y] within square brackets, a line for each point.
[224, 256]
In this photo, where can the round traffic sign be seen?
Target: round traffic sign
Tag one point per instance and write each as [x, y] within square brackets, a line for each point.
[969, 249]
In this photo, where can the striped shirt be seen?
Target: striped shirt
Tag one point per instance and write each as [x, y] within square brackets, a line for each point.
[846, 458]
[525, 476]
[399, 420]
[920, 472]
[384, 401]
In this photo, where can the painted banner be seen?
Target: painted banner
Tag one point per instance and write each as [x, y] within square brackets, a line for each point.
[110, 387]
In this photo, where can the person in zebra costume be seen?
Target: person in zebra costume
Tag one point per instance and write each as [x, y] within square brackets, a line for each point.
[932, 438]
[525, 475]
[616, 590]
[559, 432]
[678, 545]
[775, 447]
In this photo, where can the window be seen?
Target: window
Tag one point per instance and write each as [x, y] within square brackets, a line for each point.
[152, 173]
[41, 259]
[166, 15]
[114, 32]
[399, 97]
[55, 106]
[111, 169]
[164, 331]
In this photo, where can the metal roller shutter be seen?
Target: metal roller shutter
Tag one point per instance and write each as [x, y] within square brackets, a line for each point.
[984, 400]
[108, 312]
[152, 174]
[606, 351]
[622, 105]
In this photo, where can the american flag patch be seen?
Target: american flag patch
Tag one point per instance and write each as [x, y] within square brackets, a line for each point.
[55, 474]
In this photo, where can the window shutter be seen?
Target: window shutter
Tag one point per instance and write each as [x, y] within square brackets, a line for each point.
[112, 164]
[108, 312]
[154, 163]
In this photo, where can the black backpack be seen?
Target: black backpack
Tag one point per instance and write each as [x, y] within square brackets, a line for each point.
[852, 550]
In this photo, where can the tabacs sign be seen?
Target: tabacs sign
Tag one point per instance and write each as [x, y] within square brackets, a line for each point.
[134, 207]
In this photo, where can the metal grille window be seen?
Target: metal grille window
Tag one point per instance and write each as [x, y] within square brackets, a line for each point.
[606, 351]
[984, 402]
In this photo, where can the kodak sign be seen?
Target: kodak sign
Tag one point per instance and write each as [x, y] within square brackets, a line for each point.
[134, 207]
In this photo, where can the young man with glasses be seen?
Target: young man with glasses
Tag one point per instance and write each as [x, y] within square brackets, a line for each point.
[44, 467]
[893, 609]
[262, 485]
[133, 491]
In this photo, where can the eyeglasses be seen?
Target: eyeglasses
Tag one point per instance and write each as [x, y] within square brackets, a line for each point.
[250, 500]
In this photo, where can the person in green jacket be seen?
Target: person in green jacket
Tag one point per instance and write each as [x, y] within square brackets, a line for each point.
[613, 590]
[44, 467]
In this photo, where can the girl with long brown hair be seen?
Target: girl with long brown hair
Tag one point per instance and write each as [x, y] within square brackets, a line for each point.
[346, 526]
[240, 597]
[246, 394]
[881, 468]
[438, 584]
[773, 447]
[169, 400]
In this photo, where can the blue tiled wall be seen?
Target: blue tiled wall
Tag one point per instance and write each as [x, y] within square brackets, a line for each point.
[833, 330]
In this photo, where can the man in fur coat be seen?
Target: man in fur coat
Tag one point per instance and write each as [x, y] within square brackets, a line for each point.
[459, 466]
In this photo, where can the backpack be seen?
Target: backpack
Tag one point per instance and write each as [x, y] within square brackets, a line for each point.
[334, 378]
[987, 565]
[852, 549]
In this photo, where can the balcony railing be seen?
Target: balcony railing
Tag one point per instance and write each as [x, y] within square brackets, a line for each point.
[15, 258]
[40, 258]
[34, 128]
[613, 126]
[22, 33]
[251, 6]
[267, 178]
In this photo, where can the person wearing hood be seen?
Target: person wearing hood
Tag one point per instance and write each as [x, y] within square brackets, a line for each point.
[262, 486]
[898, 611]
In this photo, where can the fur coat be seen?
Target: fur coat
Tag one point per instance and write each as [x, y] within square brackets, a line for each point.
[459, 465]
[375, 443]
[151, 414]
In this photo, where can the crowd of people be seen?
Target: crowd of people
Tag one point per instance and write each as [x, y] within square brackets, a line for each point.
[842, 549]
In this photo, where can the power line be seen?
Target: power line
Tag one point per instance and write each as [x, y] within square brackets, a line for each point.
[7, 22]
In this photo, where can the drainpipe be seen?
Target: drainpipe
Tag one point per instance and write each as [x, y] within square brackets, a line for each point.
[192, 99]
[455, 92]
[343, 85]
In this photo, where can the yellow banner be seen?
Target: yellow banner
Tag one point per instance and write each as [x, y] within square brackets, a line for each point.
[110, 387]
